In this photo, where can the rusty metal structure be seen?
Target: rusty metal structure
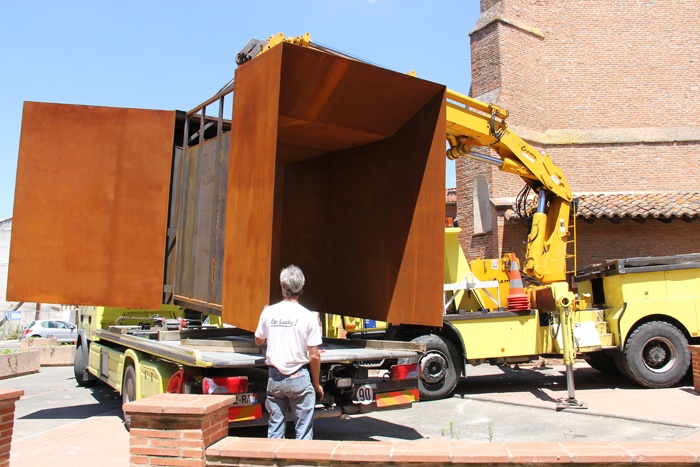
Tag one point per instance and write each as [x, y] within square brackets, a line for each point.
[327, 162]
[91, 205]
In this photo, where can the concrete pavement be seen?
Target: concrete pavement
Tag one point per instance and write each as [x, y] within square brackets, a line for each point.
[58, 437]
[604, 395]
[100, 440]
[58, 424]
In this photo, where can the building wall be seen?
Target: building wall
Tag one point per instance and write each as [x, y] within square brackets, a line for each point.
[5, 232]
[28, 311]
[603, 240]
[607, 88]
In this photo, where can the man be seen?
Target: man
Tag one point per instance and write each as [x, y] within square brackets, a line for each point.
[293, 335]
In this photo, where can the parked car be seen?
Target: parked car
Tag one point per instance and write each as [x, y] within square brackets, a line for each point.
[63, 331]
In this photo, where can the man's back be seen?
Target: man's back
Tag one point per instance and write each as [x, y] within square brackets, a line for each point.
[289, 329]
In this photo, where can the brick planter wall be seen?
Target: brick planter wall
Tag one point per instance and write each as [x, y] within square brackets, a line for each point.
[51, 352]
[695, 353]
[191, 430]
[251, 452]
[8, 397]
[19, 363]
[176, 429]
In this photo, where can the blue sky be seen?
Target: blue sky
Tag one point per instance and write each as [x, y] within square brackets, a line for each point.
[175, 54]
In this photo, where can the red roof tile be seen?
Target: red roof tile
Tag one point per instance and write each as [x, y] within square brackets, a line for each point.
[663, 205]
[640, 205]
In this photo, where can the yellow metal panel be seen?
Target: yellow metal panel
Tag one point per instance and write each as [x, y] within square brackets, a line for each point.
[491, 270]
[155, 376]
[499, 337]
[671, 293]
[115, 364]
[94, 358]
[640, 287]
[456, 266]
[613, 291]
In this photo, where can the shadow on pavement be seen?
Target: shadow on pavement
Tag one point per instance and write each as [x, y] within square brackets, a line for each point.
[76, 412]
[534, 379]
[107, 402]
[363, 428]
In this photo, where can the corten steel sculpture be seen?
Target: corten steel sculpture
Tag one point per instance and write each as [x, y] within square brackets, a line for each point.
[91, 205]
[336, 166]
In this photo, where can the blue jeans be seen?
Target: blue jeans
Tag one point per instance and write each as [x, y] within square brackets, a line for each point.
[296, 393]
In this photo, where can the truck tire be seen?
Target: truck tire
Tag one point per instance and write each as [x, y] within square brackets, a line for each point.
[656, 355]
[439, 373]
[128, 391]
[602, 361]
[80, 365]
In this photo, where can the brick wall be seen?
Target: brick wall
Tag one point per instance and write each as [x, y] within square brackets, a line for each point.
[609, 89]
[176, 429]
[193, 417]
[480, 245]
[604, 240]
[237, 452]
[7, 422]
[695, 355]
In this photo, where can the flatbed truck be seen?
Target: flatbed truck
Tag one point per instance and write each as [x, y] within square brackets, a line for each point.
[141, 353]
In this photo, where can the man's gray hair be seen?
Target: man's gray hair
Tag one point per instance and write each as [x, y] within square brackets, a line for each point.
[292, 281]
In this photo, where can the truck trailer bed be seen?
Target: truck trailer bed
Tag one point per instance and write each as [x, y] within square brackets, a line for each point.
[213, 348]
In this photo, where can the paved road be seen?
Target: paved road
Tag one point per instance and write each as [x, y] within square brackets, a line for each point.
[56, 417]
[485, 409]
[52, 400]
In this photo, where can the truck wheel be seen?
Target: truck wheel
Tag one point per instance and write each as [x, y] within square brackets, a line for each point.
[128, 391]
[656, 355]
[439, 374]
[80, 364]
[602, 361]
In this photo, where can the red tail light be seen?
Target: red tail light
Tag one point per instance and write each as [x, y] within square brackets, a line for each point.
[28, 330]
[225, 385]
[407, 371]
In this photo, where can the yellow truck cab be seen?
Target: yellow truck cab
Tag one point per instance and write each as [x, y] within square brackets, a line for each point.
[651, 307]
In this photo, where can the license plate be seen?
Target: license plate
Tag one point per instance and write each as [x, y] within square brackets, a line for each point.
[248, 398]
[364, 394]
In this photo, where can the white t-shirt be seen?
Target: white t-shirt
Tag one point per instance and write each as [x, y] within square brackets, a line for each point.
[289, 329]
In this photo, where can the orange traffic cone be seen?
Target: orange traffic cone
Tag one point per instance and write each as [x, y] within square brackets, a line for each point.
[517, 299]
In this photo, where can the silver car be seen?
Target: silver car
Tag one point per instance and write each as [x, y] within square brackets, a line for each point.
[63, 331]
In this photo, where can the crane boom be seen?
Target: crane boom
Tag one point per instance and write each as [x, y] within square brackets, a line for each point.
[472, 123]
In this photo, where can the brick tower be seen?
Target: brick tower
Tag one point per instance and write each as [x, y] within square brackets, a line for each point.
[610, 90]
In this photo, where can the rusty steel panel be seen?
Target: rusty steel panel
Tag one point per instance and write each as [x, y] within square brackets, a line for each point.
[198, 275]
[251, 191]
[391, 254]
[336, 166]
[91, 206]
